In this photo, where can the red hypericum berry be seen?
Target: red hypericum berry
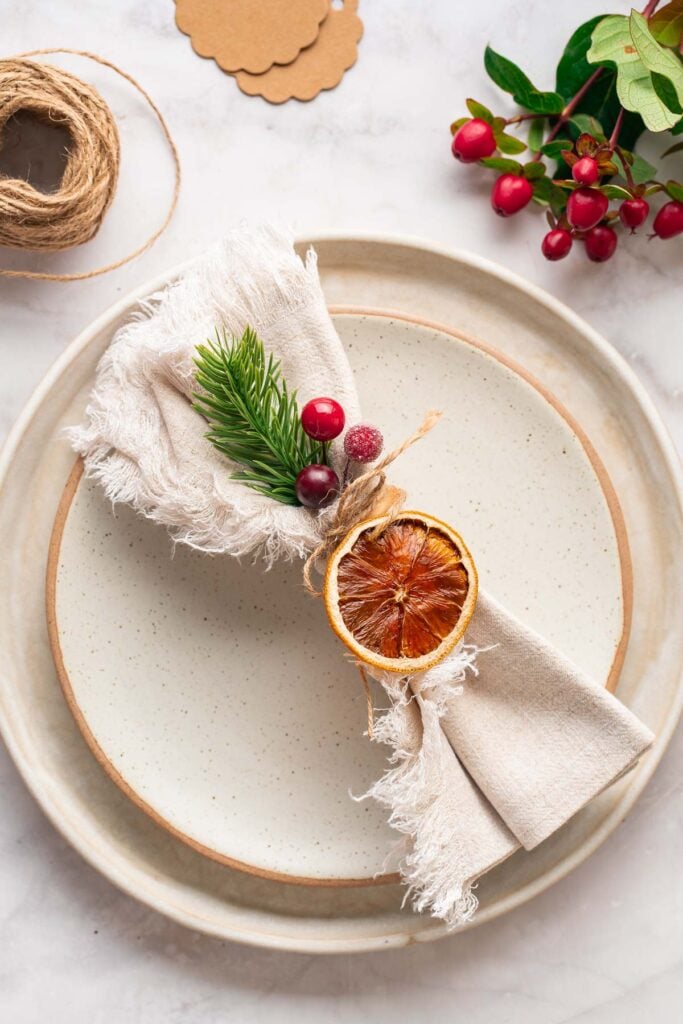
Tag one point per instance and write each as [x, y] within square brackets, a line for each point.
[322, 419]
[317, 485]
[633, 212]
[586, 207]
[669, 220]
[473, 141]
[586, 171]
[601, 242]
[510, 194]
[363, 443]
[556, 244]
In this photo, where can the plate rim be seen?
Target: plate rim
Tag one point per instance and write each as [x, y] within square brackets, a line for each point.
[70, 490]
[136, 881]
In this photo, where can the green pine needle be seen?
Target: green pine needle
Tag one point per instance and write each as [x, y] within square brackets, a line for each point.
[253, 418]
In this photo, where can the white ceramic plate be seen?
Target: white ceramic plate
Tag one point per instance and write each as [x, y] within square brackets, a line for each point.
[215, 694]
[118, 838]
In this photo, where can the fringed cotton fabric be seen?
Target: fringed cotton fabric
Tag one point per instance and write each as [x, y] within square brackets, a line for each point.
[143, 441]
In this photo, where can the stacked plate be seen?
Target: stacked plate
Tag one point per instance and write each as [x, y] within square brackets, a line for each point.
[227, 725]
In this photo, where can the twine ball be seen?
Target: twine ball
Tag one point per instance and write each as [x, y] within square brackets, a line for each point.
[47, 222]
[54, 221]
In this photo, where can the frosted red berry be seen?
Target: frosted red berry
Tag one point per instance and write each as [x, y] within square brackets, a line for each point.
[556, 244]
[473, 141]
[586, 171]
[510, 194]
[363, 443]
[317, 486]
[601, 241]
[586, 207]
[633, 212]
[322, 419]
[669, 220]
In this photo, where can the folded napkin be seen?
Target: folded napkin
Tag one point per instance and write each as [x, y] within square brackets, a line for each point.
[494, 748]
[143, 440]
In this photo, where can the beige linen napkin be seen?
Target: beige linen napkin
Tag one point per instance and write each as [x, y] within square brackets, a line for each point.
[143, 441]
[495, 747]
[538, 737]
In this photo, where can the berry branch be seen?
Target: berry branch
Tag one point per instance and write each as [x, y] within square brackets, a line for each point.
[589, 127]
[254, 420]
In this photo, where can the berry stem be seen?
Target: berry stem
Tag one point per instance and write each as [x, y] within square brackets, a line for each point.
[573, 104]
[614, 137]
[649, 8]
[625, 164]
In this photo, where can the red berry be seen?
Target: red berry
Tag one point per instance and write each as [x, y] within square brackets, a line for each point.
[474, 141]
[601, 242]
[585, 171]
[363, 443]
[586, 207]
[669, 220]
[322, 419]
[317, 486]
[510, 194]
[633, 212]
[556, 244]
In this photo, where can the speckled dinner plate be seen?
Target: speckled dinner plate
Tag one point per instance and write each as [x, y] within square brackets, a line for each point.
[203, 738]
[216, 695]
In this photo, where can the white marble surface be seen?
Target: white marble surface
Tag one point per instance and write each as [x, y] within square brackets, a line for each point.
[605, 944]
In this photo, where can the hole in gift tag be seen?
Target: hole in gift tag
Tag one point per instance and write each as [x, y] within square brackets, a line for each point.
[34, 149]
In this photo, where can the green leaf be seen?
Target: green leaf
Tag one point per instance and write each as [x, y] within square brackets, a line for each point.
[673, 149]
[588, 123]
[533, 170]
[573, 69]
[613, 43]
[500, 163]
[666, 25]
[510, 144]
[655, 57]
[675, 190]
[458, 124]
[536, 132]
[556, 148]
[546, 191]
[615, 192]
[664, 88]
[479, 110]
[512, 79]
[678, 128]
[641, 170]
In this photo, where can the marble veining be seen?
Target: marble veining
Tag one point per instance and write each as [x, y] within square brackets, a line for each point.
[602, 945]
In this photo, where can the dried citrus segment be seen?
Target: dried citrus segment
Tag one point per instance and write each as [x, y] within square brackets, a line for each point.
[401, 598]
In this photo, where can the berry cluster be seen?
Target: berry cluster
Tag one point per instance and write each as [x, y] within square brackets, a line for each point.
[619, 76]
[581, 210]
[323, 420]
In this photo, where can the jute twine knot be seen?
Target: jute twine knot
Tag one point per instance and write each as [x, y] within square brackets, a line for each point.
[55, 221]
[366, 497]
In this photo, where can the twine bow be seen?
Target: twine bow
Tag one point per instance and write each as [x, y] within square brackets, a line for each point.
[367, 496]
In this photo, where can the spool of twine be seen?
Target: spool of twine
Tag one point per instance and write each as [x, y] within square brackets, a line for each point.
[55, 221]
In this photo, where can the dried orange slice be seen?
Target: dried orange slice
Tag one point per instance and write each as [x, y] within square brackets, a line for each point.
[401, 598]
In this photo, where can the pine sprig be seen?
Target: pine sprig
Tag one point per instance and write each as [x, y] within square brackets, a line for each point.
[253, 417]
